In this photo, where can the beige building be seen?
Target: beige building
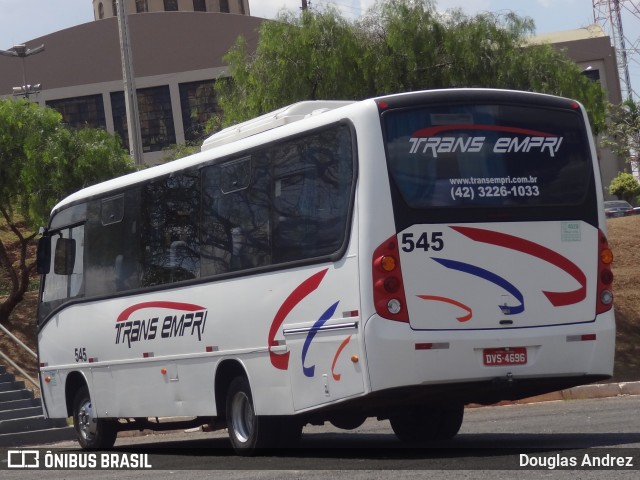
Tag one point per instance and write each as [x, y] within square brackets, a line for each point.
[107, 8]
[591, 49]
[177, 56]
[178, 48]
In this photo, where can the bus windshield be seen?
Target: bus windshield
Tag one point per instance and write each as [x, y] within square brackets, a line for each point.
[488, 155]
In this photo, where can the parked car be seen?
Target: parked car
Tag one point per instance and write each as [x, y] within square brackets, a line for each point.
[618, 208]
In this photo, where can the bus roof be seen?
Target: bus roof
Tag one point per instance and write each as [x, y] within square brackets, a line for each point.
[270, 120]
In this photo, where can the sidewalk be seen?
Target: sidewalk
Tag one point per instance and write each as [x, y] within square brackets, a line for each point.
[582, 392]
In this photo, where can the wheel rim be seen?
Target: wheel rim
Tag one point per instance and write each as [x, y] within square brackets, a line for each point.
[242, 417]
[86, 421]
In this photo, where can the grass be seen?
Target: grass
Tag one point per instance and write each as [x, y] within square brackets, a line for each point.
[625, 243]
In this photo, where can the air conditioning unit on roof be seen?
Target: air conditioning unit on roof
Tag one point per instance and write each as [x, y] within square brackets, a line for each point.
[271, 120]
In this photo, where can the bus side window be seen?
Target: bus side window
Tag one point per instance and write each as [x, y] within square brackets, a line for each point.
[170, 251]
[311, 194]
[235, 234]
[112, 263]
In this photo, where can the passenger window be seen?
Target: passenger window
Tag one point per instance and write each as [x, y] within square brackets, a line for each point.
[236, 216]
[287, 202]
[169, 237]
[311, 195]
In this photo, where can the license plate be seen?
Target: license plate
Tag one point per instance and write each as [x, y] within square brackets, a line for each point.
[494, 357]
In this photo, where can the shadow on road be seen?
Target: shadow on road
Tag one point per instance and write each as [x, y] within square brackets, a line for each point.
[355, 451]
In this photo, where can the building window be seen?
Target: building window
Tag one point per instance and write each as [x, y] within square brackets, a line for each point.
[156, 118]
[224, 6]
[198, 105]
[100, 11]
[241, 7]
[199, 6]
[592, 74]
[114, 7]
[142, 6]
[81, 112]
[170, 5]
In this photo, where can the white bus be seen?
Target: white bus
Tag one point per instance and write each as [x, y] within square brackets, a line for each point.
[398, 257]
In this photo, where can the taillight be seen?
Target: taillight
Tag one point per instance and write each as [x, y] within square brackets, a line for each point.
[388, 287]
[605, 275]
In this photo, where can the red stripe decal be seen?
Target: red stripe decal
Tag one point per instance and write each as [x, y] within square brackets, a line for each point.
[557, 299]
[189, 307]
[281, 361]
[336, 376]
[432, 131]
[451, 301]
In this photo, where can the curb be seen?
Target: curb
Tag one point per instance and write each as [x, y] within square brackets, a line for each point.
[583, 392]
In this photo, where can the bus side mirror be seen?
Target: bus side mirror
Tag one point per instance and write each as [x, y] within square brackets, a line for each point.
[65, 256]
[43, 257]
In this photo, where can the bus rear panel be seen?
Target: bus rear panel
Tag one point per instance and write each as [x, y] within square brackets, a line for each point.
[497, 274]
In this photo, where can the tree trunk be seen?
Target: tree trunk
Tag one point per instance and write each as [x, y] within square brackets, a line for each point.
[17, 271]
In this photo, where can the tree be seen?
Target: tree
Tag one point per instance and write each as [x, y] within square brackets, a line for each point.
[625, 187]
[42, 161]
[399, 45]
[622, 133]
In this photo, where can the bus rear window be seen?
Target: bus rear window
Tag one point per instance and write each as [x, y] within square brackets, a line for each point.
[488, 155]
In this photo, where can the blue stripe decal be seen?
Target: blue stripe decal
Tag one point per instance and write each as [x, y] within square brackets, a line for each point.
[310, 371]
[491, 277]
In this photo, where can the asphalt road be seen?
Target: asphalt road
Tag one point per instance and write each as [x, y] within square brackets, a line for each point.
[518, 441]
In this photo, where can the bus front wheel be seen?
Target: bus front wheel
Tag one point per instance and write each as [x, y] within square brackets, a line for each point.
[92, 432]
[248, 432]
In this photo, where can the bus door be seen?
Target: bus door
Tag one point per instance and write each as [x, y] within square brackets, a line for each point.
[321, 329]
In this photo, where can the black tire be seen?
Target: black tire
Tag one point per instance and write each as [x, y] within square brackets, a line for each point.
[93, 433]
[450, 422]
[416, 425]
[248, 432]
[349, 421]
[289, 432]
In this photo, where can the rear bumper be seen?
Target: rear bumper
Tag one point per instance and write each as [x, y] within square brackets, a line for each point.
[557, 358]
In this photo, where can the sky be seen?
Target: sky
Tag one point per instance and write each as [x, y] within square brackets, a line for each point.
[24, 20]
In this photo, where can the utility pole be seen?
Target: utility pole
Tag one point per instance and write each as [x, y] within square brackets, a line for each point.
[608, 14]
[305, 5]
[128, 78]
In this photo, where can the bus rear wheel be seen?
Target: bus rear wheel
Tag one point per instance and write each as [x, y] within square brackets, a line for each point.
[248, 432]
[425, 424]
[450, 422]
[93, 433]
[415, 425]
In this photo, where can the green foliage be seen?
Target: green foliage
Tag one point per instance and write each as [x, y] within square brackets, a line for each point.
[308, 57]
[622, 132]
[398, 46]
[180, 150]
[625, 187]
[42, 161]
